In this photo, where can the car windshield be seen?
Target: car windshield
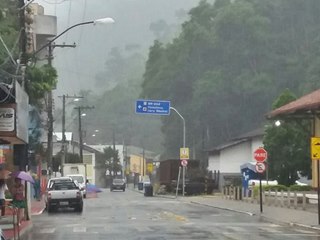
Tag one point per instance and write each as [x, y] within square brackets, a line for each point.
[79, 179]
[64, 186]
[53, 181]
[118, 181]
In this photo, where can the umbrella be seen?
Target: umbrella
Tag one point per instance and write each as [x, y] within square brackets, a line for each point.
[93, 188]
[23, 176]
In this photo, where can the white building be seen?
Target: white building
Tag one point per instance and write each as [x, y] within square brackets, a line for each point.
[227, 158]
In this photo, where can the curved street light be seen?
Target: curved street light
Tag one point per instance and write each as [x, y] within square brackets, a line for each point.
[50, 115]
[107, 20]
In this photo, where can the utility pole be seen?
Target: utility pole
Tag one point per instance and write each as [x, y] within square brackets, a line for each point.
[51, 46]
[114, 150]
[80, 108]
[64, 147]
[50, 119]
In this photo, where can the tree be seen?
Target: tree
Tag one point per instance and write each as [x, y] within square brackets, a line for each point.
[229, 63]
[288, 146]
[112, 161]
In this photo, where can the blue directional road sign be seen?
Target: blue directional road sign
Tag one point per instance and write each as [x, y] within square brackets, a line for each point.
[155, 107]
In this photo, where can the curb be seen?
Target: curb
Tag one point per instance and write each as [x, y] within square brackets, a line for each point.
[304, 226]
[224, 208]
[38, 213]
[167, 197]
[24, 231]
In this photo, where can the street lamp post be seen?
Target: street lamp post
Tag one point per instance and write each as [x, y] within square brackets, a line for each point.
[64, 147]
[184, 145]
[80, 108]
[50, 57]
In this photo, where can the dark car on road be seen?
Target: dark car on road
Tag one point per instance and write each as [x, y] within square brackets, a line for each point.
[118, 184]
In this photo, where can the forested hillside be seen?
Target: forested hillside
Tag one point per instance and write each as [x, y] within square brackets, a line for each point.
[230, 62]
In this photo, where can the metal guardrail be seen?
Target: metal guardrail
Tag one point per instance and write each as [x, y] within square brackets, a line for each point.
[12, 219]
[272, 198]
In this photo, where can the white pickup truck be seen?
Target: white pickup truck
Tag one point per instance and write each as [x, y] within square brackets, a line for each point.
[64, 194]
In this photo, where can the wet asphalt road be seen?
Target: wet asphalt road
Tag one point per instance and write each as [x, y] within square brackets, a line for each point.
[130, 215]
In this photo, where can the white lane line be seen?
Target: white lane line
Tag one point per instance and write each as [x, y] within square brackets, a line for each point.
[270, 230]
[47, 230]
[237, 229]
[79, 229]
[304, 231]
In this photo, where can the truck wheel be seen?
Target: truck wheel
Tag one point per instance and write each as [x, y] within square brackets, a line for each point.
[84, 195]
[79, 208]
[50, 209]
[124, 189]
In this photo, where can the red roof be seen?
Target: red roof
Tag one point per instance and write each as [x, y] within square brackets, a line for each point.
[306, 103]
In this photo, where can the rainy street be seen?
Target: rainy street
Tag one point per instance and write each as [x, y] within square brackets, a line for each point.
[130, 215]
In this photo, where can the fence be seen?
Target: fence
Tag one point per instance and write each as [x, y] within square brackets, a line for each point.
[11, 219]
[296, 200]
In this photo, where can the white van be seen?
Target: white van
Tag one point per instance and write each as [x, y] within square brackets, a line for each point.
[81, 181]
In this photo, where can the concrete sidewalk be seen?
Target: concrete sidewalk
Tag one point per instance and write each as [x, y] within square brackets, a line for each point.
[37, 207]
[271, 213]
[279, 214]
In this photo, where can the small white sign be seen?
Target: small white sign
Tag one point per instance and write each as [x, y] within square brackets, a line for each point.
[184, 162]
[260, 167]
[7, 116]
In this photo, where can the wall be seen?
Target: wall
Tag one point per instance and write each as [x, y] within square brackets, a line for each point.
[214, 162]
[231, 158]
[136, 164]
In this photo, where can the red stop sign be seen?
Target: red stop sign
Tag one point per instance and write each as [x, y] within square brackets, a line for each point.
[260, 155]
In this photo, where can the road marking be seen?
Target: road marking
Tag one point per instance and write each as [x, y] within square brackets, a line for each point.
[270, 229]
[47, 230]
[304, 231]
[79, 229]
[237, 229]
[170, 215]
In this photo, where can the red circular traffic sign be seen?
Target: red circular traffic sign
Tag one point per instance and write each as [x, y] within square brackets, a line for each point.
[184, 162]
[260, 167]
[260, 155]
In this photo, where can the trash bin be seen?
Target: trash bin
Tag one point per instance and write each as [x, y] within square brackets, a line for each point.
[148, 191]
[140, 186]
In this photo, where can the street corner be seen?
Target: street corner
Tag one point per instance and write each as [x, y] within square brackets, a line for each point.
[37, 207]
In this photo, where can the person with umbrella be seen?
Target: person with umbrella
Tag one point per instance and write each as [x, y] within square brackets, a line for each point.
[18, 198]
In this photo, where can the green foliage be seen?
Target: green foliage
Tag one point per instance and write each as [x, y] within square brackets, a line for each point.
[280, 188]
[299, 188]
[40, 81]
[9, 32]
[273, 188]
[288, 146]
[229, 63]
[110, 161]
[266, 188]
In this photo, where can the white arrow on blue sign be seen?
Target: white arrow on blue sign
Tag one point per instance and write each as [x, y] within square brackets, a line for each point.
[155, 107]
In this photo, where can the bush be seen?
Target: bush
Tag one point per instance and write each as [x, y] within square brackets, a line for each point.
[274, 188]
[300, 188]
[266, 188]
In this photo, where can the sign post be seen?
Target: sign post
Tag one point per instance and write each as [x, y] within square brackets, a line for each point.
[159, 107]
[184, 157]
[315, 155]
[260, 155]
[154, 107]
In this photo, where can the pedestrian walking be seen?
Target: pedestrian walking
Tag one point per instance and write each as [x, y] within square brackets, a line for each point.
[3, 189]
[36, 187]
[19, 198]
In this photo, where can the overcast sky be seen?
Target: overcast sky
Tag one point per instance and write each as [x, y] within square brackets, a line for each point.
[78, 67]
